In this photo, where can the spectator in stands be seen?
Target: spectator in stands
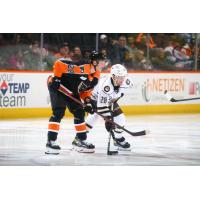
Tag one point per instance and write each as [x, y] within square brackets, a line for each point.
[176, 57]
[32, 57]
[3, 62]
[159, 59]
[187, 50]
[170, 47]
[19, 44]
[47, 59]
[179, 51]
[198, 56]
[121, 52]
[104, 66]
[142, 41]
[105, 44]
[16, 61]
[130, 42]
[139, 62]
[64, 52]
[86, 54]
[77, 55]
[187, 37]
[17, 40]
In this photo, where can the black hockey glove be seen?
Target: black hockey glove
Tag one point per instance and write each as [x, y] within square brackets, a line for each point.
[89, 105]
[55, 84]
[109, 125]
[87, 85]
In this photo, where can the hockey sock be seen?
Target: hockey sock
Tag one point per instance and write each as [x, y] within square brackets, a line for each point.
[52, 136]
[81, 136]
[53, 129]
[80, 130]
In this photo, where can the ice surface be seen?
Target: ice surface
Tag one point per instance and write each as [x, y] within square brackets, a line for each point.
[174, 140]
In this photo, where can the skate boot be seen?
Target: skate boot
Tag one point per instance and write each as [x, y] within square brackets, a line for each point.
[82, 146]
[52, 148]
[121, 144]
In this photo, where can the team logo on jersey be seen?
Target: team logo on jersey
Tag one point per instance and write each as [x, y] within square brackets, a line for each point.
[128, 82]
[83, 78]
[82, 69]
[106, 88]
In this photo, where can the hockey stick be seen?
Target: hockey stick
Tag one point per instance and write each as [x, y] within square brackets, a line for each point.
[170, 98]
[68, 93]
[109, 152]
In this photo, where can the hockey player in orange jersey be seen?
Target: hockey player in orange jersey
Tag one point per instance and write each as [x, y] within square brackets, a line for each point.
[78, 80]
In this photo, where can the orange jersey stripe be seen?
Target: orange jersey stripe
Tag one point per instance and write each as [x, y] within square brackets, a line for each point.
[54, 126]
[80, 127]
[60, 67]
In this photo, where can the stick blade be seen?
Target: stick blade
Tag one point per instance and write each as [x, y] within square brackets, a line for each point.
[167, 95]
[139, 133]
[173, 100]
[110, 153]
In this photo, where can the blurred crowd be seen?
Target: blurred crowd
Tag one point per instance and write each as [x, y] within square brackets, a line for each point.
[137, 51]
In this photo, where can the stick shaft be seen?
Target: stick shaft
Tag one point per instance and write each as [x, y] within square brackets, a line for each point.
[108, 148]
[170, 98]
[189, 99]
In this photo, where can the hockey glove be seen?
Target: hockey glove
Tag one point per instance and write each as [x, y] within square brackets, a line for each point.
[55, 84]
[89, 105]
[87, 85]
[109, 126]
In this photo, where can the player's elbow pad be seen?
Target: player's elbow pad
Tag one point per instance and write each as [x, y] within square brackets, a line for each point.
[55, 84]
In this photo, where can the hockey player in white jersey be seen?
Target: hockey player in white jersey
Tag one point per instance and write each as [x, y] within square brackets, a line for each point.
[109, 89]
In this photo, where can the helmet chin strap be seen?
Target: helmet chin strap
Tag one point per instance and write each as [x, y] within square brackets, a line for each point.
[116, 87]
[114, 81]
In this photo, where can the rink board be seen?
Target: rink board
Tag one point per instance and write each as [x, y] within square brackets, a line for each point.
[25, 94]
[128, 110]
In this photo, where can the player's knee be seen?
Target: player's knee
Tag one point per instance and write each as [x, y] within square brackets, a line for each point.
[119, 119]
[79, 115]
[58, 114]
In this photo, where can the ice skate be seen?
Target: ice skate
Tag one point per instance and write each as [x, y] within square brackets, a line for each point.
[83, 146]
[52, 148]
[121, 144]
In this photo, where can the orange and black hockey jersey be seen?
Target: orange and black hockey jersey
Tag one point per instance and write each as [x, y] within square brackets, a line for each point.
[72, 75]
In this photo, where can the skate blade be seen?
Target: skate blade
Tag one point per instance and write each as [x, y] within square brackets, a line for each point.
[52, 151]
[83, 150]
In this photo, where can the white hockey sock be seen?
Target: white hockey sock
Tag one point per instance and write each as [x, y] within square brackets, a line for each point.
[120, 119]
[91, 119]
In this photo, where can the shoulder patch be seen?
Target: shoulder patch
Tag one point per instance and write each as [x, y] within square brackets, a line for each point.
[106, 88]
[128, 82]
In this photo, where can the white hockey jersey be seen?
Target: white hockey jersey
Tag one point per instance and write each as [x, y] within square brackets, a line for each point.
[104, 93]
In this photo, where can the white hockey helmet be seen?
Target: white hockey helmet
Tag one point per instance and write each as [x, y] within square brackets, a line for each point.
[118, 70]
[118, 73]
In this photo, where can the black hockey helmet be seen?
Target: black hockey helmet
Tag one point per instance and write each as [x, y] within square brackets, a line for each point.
[95, 55]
